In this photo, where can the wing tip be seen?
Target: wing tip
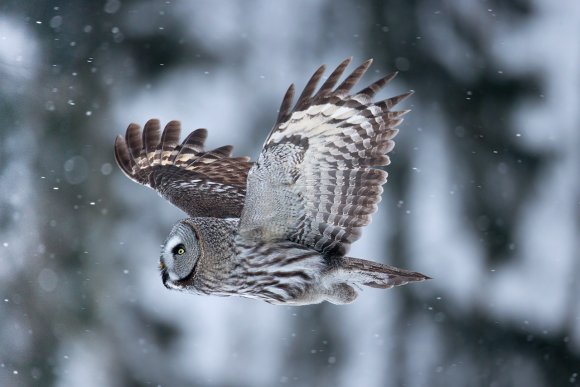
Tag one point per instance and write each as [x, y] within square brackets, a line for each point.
[151, 135]
[285, 106]
[122, 156]
[138, 152]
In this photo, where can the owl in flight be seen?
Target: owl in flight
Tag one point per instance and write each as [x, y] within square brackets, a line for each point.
[277, 229]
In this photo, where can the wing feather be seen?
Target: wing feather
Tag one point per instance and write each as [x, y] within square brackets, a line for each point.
[353, 78]
[334, 77]
[315, 182]
[199, 182]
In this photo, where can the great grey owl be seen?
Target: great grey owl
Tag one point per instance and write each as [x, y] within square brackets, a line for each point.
[277, 229]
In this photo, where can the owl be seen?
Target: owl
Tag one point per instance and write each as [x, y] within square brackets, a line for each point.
[277, 229]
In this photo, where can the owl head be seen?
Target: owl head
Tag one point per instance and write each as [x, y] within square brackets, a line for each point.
[180, 255]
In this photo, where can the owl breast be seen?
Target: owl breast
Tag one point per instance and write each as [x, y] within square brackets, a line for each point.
[280, 273]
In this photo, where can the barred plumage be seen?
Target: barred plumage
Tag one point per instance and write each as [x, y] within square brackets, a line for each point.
[332, 144]
[191, 178]
[281, 236]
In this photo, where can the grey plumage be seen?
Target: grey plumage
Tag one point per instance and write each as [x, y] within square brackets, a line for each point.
[284, 235]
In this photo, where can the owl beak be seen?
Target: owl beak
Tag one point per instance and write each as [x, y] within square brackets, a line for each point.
[164, 274]
[165, 277]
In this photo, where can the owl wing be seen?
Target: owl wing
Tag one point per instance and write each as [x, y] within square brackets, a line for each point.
[315, 181]
[199, 182]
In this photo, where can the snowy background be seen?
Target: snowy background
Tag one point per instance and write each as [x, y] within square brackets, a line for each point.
[483, 195]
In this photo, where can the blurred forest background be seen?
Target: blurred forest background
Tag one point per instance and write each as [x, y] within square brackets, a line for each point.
[483, 195]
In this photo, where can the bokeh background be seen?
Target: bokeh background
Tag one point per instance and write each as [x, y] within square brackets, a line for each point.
[483, 195]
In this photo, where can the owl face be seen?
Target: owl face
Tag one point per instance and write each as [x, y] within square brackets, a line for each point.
[179, 256]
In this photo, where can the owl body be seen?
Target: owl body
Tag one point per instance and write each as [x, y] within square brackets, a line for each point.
[217, 261]
[279, 272]
[278, 229]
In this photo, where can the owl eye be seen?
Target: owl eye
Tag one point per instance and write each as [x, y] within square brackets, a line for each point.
[179, 249]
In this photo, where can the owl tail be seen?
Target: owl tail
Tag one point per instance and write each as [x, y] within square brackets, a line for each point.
[377, 275]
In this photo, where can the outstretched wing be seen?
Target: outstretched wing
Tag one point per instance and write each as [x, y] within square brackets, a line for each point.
[199, 182]
[314, 182]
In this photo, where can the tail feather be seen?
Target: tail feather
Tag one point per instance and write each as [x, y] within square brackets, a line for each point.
[378, 275]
